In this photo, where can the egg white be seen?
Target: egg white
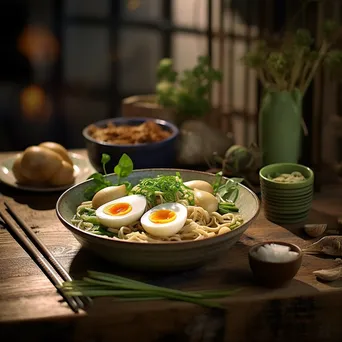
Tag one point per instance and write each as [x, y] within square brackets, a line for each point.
[138, 204]
[169, 228]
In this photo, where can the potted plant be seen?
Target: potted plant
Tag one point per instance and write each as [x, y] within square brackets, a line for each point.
[179, 96]
[286, 69]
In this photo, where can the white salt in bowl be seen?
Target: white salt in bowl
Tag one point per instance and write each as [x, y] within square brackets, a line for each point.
[275, 263]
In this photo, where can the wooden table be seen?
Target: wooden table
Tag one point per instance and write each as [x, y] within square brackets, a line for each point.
[31, 310]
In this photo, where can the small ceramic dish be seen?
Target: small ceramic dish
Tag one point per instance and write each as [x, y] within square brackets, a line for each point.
[274, 170]
[274, 274]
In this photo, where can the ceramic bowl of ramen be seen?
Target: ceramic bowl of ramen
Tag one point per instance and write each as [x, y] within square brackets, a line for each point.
[146, 241]
[149, 142]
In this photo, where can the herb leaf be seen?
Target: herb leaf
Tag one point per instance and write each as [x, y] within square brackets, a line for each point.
[227, 193]
[100, 182]
[217, 182]
[104, 160]
[124, 167]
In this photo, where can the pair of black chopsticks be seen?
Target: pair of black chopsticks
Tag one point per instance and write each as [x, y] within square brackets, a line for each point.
[41, 255]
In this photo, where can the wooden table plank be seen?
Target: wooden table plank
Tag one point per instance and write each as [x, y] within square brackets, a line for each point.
[27, 296]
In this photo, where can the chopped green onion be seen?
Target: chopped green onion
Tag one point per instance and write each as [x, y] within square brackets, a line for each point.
[99, 284]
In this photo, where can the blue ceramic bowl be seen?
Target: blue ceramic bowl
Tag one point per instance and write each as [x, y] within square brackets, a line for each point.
[161, 154]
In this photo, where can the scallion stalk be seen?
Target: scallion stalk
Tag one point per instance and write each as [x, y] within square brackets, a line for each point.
[99, 284]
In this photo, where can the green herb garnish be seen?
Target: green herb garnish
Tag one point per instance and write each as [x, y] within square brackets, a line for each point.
[98, 284]
[165, 188]
[100, 182]
[123, 169]
[104, 160]
[226, 193]
[217, 182]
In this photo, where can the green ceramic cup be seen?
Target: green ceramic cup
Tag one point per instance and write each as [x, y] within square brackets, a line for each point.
[286, 202]
[286, 210]
[286, 198]
[274, 170]
[287, 207]
[283, 193]
[283, 216]
[281, 220]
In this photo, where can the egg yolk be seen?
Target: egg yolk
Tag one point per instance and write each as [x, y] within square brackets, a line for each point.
[118, 209]
[163, 216]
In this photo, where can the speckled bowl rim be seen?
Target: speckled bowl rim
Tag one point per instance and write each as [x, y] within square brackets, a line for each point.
[293, 247]
[163, 243]
[174, 130]
[275, 185]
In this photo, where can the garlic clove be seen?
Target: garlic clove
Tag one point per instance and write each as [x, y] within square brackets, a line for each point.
[108, 194]
[315, 230]
[329, 245]
[200, 185]
[329, 274]
[206, 200]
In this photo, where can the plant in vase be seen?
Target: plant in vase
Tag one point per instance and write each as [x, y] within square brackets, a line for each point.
[286, 69]
[184, 99]
[178, 95]
[186, 93]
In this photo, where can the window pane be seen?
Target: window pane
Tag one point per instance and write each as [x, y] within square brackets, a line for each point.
[139, 54]
[190, 13]
[186, 49]
[86, 56]
[141, 9]
[87, 8]
[80, 112]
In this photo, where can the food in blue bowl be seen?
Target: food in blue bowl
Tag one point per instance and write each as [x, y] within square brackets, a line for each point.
[149, 142]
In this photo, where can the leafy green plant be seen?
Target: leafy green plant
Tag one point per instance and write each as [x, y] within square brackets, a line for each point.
[293, 61]
[188, 92]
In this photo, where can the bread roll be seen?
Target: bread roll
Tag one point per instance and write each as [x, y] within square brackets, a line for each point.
[58, 149]
[39, 164]
[16, 169]
[64, 176]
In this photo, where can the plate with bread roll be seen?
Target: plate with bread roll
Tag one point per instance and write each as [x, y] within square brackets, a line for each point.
[45, 167]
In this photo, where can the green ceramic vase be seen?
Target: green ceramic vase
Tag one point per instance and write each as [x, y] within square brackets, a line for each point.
[280, 129]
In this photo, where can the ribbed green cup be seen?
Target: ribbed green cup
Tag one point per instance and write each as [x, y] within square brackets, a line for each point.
[286, 203]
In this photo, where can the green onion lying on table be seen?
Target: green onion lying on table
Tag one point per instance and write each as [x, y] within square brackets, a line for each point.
[99, 284]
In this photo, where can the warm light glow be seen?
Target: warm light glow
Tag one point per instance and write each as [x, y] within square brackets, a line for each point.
[38, 44]
[34, 103]
[132, 5]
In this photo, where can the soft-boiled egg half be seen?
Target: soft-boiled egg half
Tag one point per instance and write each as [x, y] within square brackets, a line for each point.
[122, 211]
[164, 219]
